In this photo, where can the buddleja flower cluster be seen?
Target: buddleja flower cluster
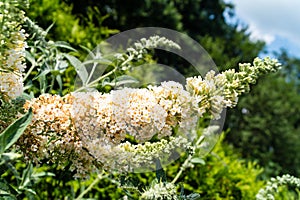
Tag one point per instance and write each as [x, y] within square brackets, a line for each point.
[217, 91]
[52, 135]
[160, 190]
[12, 50]
[131, 128]
[141, 113]
[268, 193]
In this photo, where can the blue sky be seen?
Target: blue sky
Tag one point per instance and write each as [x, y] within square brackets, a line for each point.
[277, 22]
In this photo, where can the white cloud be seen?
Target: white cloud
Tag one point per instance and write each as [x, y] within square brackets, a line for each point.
[270, 18]
[257, 34]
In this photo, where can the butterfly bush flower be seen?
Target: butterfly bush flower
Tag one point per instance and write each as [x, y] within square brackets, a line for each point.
[273, 185]
[11, 85]
[104, 120]
[130, 128]
[161, 190]
[130, 111]
[144, 155]
[180, 105]
[101, 122]
[12, 50]
[210, 96]
[52, 135]
[218, 91]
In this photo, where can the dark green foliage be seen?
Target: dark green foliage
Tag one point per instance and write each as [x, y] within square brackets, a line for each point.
[203, 20]
[291, 69]
[265, 125]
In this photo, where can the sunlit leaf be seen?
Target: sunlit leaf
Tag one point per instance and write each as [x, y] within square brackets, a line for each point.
[198, 161]
[12, 133]
[79, 67]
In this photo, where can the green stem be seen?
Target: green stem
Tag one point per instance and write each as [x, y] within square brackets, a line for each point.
[92, 72]
[187, 161]
[29, 72]
[97, 80]
[32, 67]
[52, 83]
[98, 178]
[104, 76]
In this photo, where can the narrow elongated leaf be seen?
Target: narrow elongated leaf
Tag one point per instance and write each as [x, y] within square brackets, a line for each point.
[124, 80]
[11, 156]
[102, 61]
[42, 174]
[29, 57]
[198, 161]
[12, 133]
[49, 27]
[193, 196]
[65, 45]
[26, 176]
[79, 67]
[60, 82]
[44, 73]
[91, 54]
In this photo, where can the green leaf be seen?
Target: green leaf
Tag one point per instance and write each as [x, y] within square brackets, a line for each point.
[29, 190]
[26, 176]
[29, 57]
[90, 53]
[60, 82]
[49, 27]
[193, 196]
[3, 186]
[102, 61]
[42, 174]
[121, 80]
[6, 196]
[12, 133]
[6, 190]
[79, 67]
[43, 74]
[65, 45]
[198, 161]
[11, 156]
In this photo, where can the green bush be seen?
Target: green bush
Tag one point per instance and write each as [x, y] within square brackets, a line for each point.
[225, 175]
[67, 27]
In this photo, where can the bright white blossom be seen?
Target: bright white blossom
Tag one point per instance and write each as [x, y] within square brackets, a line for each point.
[209, 93]
[129, 129]
[218, 91]
[11, 84]
[104, 121]
[272, 187]
[161, 190]
[12, 51]
[52, 135]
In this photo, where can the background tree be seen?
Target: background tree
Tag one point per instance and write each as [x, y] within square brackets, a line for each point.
[203, 20]
[265, 125]
[291, 67]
